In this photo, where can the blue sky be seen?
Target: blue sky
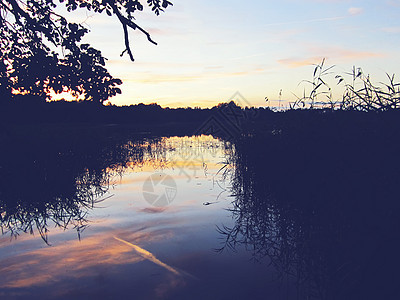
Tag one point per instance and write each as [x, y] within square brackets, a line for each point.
[208, 50]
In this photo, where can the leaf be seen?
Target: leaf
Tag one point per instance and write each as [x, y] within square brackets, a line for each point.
[315, 70]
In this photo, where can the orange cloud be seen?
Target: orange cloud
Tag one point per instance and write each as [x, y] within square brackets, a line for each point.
[300, 62]
[350, 54]
[334, 53]
[153, 78]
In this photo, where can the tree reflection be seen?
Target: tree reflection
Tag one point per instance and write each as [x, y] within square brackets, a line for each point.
[322, 205]
[56, 180]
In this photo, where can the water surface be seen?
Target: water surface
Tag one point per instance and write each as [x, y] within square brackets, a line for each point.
[198, 218]
[104, 240]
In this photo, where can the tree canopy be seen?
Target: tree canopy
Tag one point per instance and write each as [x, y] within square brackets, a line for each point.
[41, 51]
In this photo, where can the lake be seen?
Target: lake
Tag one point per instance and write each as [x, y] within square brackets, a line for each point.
[198, 218]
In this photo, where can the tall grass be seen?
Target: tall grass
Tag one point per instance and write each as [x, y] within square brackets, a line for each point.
[359, 93]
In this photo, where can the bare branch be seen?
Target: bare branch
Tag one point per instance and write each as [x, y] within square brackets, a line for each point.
[128, 23]
[127, 45]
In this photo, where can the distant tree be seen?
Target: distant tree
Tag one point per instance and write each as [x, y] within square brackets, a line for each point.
[42, 52]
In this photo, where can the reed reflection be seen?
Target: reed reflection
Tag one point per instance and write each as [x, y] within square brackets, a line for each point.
[322, 208]
[52, 183]
[56, 181]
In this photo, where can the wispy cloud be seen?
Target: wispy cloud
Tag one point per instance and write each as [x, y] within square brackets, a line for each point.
[393, 2]
[329, 19]
[391, 29]
[334, 53]
[348, 54]
[353, 11]
[329, 1]
[154, 64]
[300, 62]
[154, 78]
[214, 67]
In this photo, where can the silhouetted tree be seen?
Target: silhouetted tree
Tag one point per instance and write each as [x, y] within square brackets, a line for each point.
[41, 51]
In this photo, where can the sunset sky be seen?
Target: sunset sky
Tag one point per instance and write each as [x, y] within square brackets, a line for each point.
[208, 50]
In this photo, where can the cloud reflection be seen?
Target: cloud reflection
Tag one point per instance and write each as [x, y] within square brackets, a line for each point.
[48, 265]
[149, 256]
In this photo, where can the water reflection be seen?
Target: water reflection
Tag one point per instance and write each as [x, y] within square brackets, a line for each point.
[162, 246]
[324, 217]
[45, 184]
[324, 210]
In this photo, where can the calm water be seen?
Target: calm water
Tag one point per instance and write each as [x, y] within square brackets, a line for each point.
[124, 247]
[195, 218]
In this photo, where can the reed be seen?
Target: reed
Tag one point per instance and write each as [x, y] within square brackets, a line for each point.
[360, 93]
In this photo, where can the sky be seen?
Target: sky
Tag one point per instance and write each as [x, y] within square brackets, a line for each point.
[209, 50]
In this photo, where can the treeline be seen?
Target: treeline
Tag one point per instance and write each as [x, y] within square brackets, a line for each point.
[225, 119]
[24, 109]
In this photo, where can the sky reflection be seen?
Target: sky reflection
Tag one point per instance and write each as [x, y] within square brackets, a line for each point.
[130, 247]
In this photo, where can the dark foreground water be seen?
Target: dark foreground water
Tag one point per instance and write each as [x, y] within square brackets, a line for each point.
[200, 218]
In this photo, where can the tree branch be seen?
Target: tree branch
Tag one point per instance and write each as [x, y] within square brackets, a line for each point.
[126, 37]
[18, 11]
[128, 23]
